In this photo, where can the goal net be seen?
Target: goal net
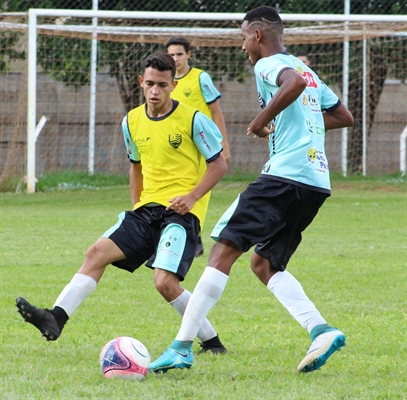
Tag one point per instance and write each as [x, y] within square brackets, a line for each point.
[375, 71]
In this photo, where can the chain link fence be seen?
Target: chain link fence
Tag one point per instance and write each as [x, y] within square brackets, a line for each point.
[64, 63]
[221, 6]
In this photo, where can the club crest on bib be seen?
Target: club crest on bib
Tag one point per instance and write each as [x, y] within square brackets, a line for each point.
[187, 91]
[175, 140]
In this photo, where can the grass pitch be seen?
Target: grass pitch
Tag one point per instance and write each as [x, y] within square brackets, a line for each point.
[352, 263]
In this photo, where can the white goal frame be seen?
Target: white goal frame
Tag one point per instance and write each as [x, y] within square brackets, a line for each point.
[33, 14]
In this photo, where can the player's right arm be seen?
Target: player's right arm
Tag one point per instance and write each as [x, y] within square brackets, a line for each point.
[207, 138]
[136, 182]
[291, 85]
[135, 172]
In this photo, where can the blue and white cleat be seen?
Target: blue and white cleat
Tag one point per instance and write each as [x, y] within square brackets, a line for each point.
[172, 359]
[322, 347]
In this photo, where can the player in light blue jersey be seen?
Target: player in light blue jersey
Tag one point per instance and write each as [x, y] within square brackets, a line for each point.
[272, 213]
[297, 143]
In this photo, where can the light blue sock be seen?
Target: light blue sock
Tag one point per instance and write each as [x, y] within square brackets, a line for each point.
[319, 329]
[181, 345]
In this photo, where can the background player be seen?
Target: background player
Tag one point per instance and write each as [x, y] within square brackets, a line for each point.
[195, 88]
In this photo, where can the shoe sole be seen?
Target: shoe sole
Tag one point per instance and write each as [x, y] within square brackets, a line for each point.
[213, 350]
[164, 370]
[317, 362]
[27, 311]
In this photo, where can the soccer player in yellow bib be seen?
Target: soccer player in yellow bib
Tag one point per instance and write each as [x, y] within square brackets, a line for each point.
[195, 88]
[176, 159]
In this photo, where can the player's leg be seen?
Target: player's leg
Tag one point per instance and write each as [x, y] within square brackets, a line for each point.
[269, 261]
[209, 339]
[51, 322]
[207, 292]
[234, 225]
[105, 251]
[199, 247]
[171, 263]
[286, 288]
[325, 339]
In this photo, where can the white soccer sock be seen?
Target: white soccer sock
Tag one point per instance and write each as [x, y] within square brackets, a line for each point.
[291, 295]
[80, 287]
[206, 293]
[180, 304]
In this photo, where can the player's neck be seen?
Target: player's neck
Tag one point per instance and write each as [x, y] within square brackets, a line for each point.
[161, 111]
[275, 47]
[182, 72]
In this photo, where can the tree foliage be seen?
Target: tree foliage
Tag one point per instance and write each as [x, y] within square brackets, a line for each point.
[68, 59]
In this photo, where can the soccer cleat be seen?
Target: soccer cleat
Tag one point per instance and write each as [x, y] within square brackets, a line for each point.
[213, 345]
[172, 359]
[41, 318]
[322, 347]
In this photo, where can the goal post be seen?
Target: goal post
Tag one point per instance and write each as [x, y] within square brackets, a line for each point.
[206, 29]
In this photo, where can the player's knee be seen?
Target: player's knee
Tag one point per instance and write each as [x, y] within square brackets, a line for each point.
[166, 284]
[91, 251]
[94, 252]
[261, 267]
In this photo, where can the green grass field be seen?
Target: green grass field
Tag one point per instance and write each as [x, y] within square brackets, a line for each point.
[352, 264]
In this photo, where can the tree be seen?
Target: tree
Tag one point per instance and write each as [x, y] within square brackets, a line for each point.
[71, 64]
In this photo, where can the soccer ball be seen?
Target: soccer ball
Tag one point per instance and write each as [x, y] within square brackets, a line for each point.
[124, 358]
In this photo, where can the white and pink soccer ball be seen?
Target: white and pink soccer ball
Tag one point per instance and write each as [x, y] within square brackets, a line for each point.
[124, 358]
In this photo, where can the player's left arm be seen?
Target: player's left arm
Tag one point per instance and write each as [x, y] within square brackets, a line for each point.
[207, 138]
[217, 117]
[340, 117]
[291, 84]
[211, 96]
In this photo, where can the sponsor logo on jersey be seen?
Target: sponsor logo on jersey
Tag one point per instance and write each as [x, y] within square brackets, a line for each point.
[309, 78]
[312, 155]
[203, 137]
[262, 102]
[264, 77]
[318, 158]
[312, 102]
[314, 128]
[129, 152]
[175, 140]
[141, 142]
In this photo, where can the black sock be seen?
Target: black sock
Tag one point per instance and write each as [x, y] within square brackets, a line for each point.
[60, 315]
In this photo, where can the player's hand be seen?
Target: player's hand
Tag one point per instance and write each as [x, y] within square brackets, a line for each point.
[181, 204]
[262, 133]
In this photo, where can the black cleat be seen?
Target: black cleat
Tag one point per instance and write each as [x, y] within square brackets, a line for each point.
[41, 318]
[213, 345]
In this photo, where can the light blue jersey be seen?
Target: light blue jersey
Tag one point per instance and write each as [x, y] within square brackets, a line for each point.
[297, 150]
[209, 91]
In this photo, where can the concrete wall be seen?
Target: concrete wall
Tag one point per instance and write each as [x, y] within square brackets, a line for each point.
[64, 141]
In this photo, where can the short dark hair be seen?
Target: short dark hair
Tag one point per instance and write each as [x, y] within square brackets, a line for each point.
[179, 41]
[264, 14]
[161, 61]
[302, 53]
